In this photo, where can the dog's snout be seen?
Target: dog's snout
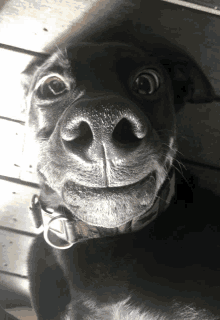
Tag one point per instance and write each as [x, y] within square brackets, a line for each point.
[103, 127]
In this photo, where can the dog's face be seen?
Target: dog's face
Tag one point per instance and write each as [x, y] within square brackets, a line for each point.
[103, 120]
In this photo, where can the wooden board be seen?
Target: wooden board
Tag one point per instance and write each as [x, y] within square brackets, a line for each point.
[23, 313]
[11, 146]
[16, 235]
[12, 96]
[14, 207]
[18, 158]
[14, 290]
[200, 5]
[13, 252]
[41, 23]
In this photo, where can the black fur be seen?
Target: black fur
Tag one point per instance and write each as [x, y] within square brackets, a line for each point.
[168, 270]
[155, 273]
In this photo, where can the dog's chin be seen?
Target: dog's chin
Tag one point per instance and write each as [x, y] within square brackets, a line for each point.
[110, 207]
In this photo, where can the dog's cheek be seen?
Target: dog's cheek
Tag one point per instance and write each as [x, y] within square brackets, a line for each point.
[161, 114]
[42, 120]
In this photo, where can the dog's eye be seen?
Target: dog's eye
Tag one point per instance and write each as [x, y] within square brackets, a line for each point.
[52, 86]
[146, 83]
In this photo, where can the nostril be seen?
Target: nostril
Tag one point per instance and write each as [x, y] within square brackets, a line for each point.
[80, 134]
[124, 132]
[85, 134]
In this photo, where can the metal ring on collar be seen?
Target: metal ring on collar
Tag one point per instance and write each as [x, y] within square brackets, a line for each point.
[46, 230]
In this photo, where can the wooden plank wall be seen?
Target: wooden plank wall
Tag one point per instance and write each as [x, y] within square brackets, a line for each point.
[37, 26]
[16, 229]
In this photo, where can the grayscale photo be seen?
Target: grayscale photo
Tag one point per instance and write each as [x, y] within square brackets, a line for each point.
[110, 160]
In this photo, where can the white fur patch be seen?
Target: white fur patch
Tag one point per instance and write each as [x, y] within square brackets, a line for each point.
[127, 310]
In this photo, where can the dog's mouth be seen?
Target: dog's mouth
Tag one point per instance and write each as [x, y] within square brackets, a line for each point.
[110, 207]
[80, 230]
[108, 190]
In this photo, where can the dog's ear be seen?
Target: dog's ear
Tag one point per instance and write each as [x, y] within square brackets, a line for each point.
[189, 82]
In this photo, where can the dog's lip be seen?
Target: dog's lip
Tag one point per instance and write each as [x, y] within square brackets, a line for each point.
[151, 174]
[116, 189]
[68, 212]
[110, 207]
[122, 207]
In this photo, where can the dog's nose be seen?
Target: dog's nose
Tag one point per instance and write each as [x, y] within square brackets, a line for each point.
[101, 128]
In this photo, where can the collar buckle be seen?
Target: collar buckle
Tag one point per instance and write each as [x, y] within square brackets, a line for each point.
[58, 230]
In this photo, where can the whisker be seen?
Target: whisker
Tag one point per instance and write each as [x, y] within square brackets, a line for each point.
[180, 153]
[180, 164]
[174, 150]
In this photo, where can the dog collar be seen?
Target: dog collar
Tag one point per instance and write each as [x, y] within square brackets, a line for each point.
[61, 232]
[57, 228]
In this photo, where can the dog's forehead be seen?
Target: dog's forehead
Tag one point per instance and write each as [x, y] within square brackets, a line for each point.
[104, 49]
[85, 53]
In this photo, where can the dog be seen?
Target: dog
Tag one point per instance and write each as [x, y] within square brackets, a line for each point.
[102, 120]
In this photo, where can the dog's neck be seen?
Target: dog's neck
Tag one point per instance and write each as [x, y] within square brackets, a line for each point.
[62, 230]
